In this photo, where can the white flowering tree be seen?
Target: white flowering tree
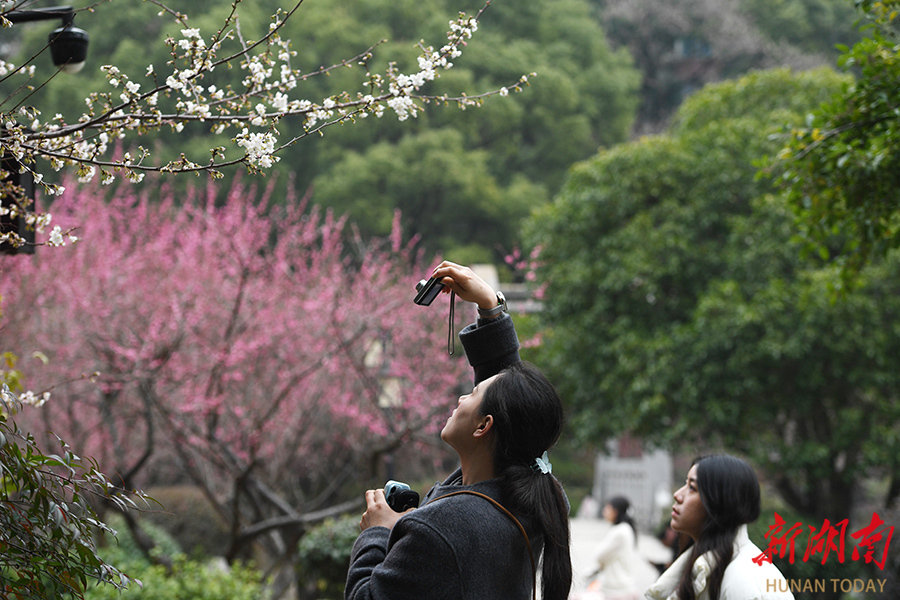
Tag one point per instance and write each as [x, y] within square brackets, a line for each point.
[198, 85]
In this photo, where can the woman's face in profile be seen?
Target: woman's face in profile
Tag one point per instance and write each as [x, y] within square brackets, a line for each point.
[609, 513]
[688, 513]
[466, 417]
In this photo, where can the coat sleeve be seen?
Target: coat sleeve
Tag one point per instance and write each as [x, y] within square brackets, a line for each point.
[409, 563]
[491, 345]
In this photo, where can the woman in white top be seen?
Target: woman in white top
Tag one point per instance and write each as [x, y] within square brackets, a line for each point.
[616, 555]
[713, 507]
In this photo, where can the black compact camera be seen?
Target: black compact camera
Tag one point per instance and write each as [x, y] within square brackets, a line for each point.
[427, 291]
[400, 497]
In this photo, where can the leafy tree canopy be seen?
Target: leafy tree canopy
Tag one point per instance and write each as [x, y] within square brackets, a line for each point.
[680, 310]
[840, 167]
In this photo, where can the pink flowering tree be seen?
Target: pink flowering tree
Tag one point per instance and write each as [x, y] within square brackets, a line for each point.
[252, 352]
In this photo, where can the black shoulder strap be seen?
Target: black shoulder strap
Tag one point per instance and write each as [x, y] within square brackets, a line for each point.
[518, 524]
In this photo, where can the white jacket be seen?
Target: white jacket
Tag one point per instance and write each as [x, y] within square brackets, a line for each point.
[743, 579]
[615, 557]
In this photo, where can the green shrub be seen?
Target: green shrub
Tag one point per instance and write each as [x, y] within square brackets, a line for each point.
[325, 555]
[190, 580]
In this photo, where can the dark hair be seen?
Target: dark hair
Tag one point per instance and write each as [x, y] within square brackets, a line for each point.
[622, 506]
[729, 491]
[528, 419]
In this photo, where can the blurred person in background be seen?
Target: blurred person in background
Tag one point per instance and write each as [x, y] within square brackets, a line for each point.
[616, 557]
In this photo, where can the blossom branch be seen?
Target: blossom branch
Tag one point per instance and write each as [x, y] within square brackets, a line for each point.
[253, 110]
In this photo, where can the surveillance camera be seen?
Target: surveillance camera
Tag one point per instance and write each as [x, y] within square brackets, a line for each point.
[68, 48]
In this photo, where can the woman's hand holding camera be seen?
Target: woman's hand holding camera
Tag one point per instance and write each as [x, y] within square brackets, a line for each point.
[467, 285]
[378, 512]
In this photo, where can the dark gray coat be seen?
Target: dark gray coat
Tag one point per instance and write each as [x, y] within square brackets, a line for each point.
[462, 547]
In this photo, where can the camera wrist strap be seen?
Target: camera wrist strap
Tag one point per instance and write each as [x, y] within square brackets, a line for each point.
[451, 343]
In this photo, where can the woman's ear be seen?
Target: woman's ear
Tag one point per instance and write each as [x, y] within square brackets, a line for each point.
[484, 427]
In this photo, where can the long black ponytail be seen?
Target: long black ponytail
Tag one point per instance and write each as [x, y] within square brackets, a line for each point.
[729, 491]
[528, 419]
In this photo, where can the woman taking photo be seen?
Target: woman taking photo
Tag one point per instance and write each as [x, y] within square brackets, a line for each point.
[719, 498]
[482, 532]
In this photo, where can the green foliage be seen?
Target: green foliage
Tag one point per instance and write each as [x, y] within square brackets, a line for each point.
[679, 308]
[47, 525]
[433, 181]
[841, 168]
[325, 553]
[47, 548]
[769, 97]
[189, 580]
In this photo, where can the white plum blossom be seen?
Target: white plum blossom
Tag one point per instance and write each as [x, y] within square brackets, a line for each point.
[280, 102]
[41, 222]
[174, 82]
[88, 175]
[56, 238]
[32, 399]
[259, 147]
[403, 106]
[192, 38]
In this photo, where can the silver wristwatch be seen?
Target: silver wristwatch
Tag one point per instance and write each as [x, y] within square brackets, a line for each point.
[493, 312]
